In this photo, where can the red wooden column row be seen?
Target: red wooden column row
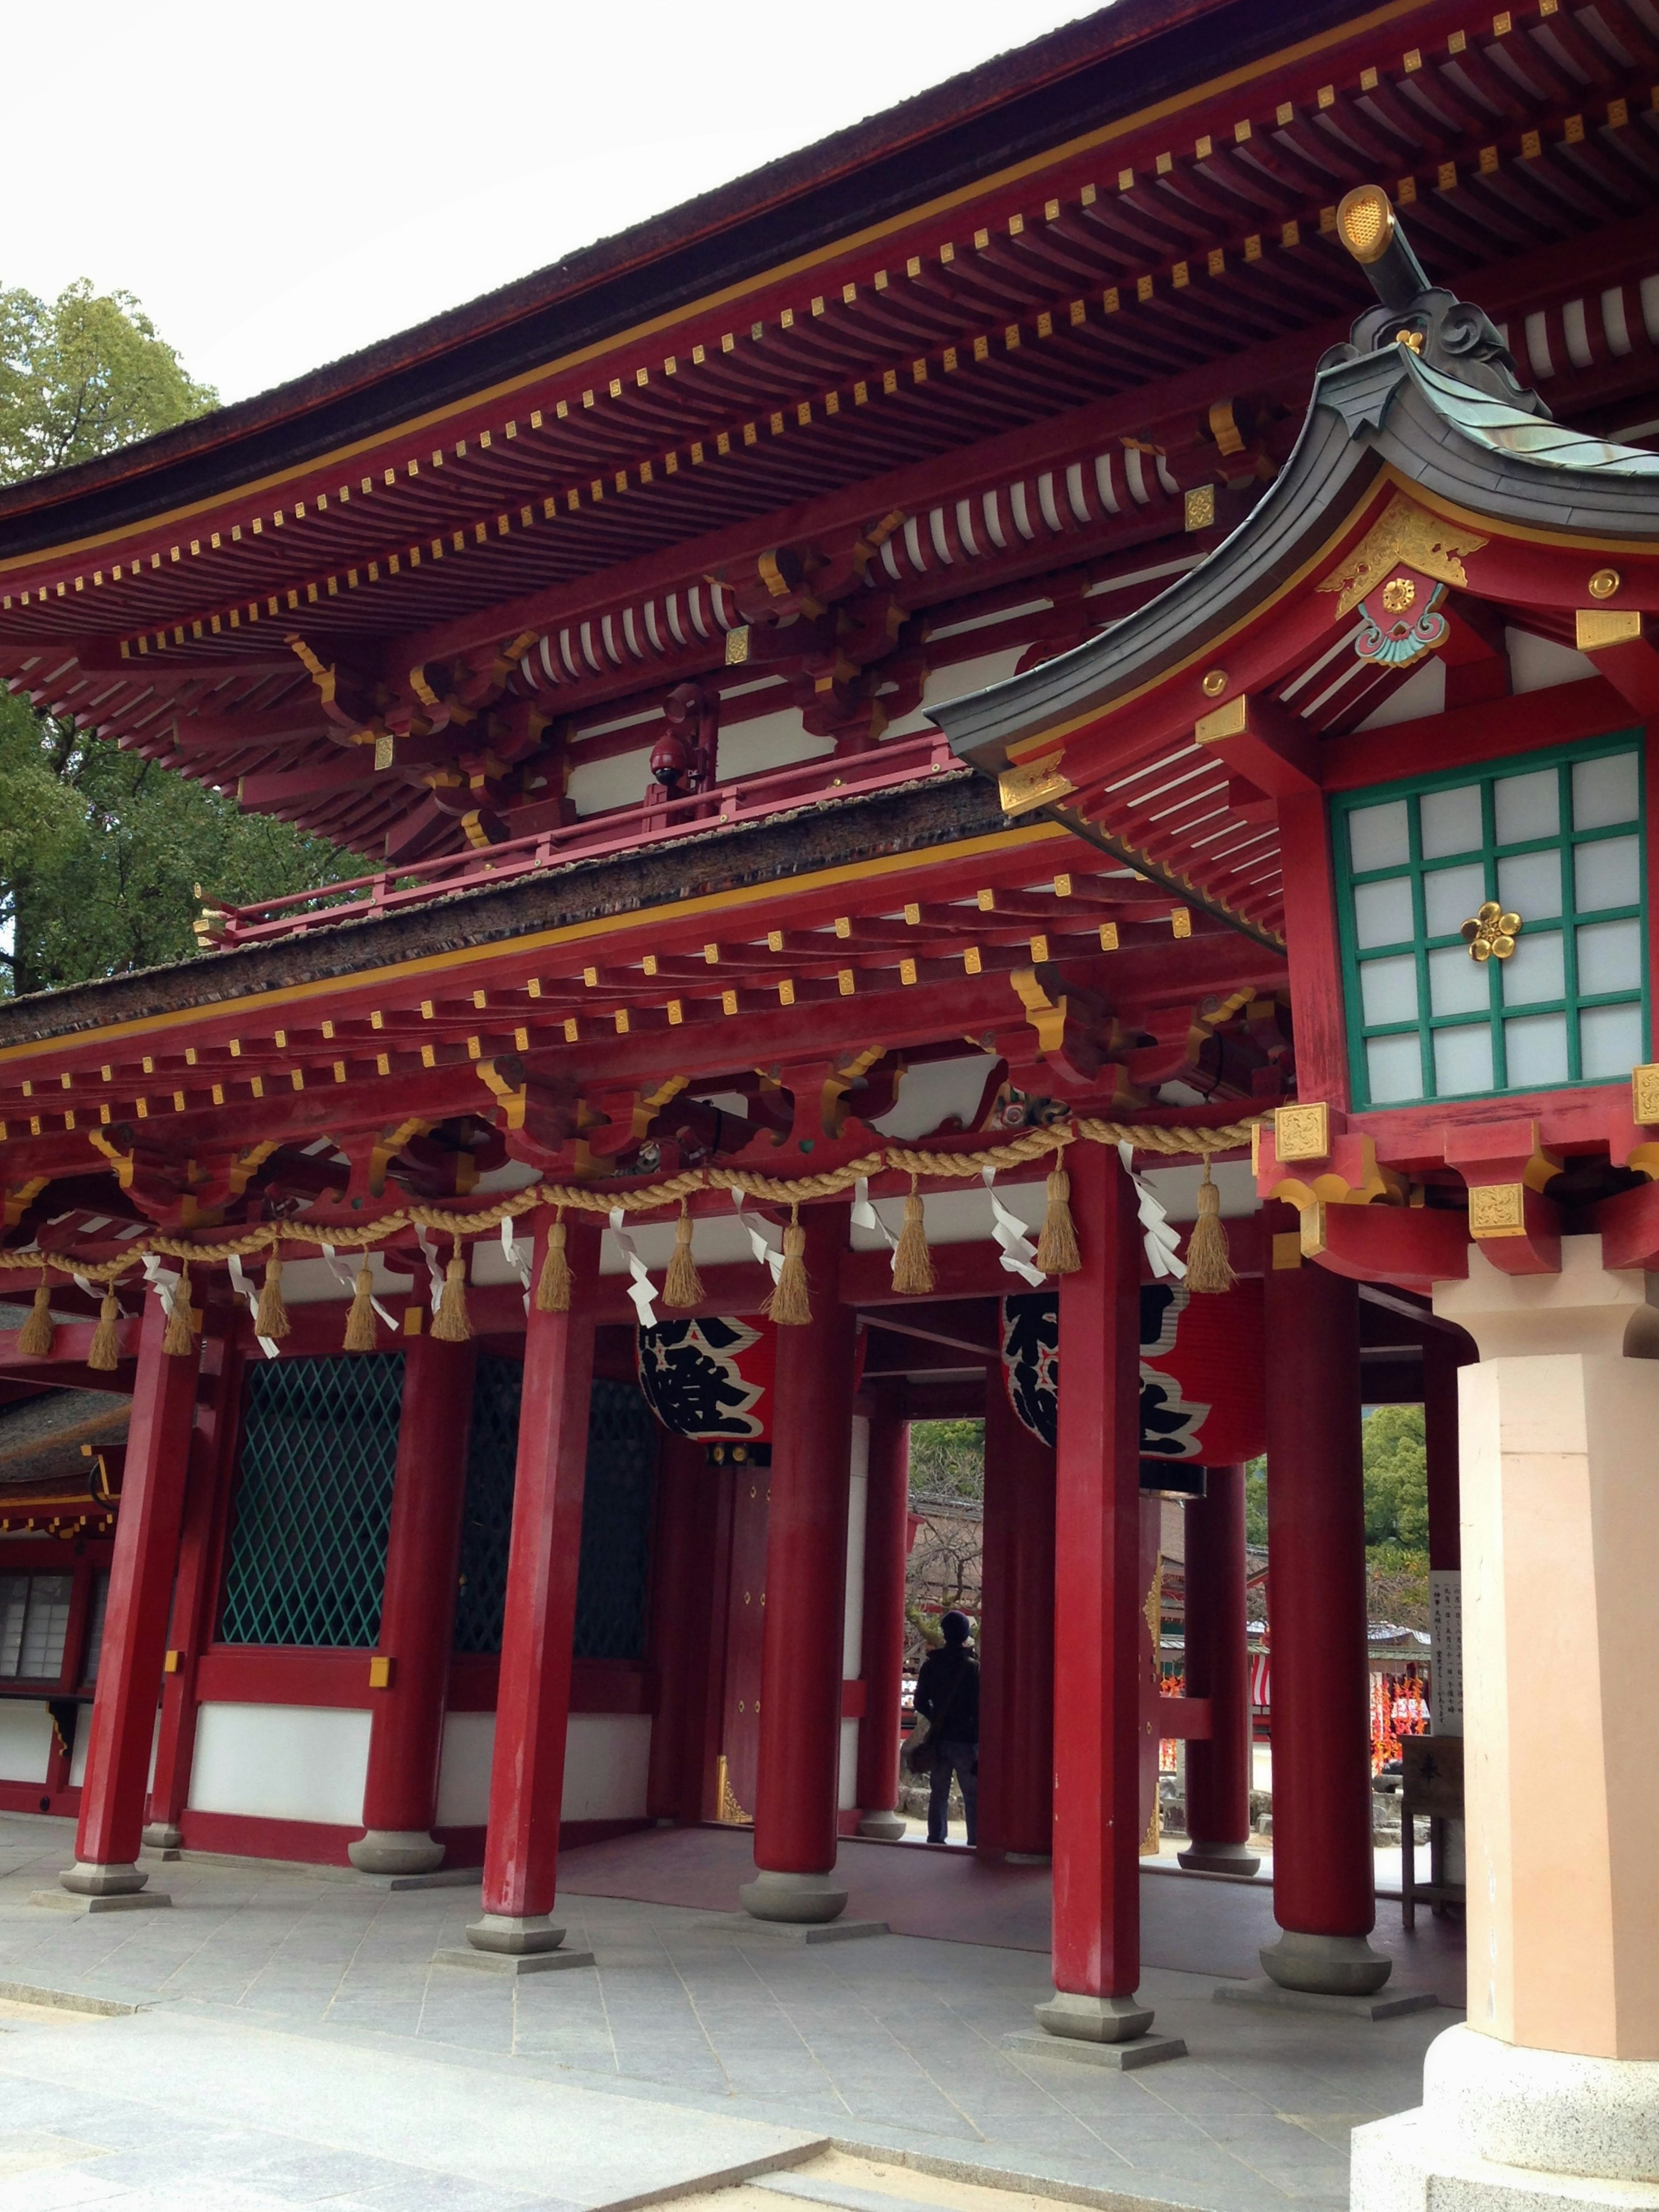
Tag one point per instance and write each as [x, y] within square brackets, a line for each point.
[136, 1619]
[212, 1453]
[526, 1783]
[795, 1801]
[1097, 1620]
[1017, 1685]
[417, 1611]
[881, 1661]
[1324, 1883]
[1219, 1669]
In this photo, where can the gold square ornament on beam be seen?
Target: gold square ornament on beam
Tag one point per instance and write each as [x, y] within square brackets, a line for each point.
[1302, 1133]
[1644, 1095]
[1497, 1209]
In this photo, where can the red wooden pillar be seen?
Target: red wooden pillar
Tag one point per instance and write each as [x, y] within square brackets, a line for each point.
[796, 1791]
[135, 1616]
[685, 1740]
[417, 1611]
[1324, 1886]
[212, 1455]
[881, 1661]
[533, 1711]
[1219, 1669]
[1098, 1624]
[1016, 1668]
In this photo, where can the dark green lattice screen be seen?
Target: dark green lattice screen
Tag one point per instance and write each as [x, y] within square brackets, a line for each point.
[487, 1518]
[319, 1445]
[614, 1576]
[615, 1563]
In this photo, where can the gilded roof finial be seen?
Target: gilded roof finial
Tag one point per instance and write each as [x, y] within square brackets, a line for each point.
[1440, 329]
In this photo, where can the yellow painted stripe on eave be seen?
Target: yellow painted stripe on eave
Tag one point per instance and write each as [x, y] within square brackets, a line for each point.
[1034, 165]
[575, 933]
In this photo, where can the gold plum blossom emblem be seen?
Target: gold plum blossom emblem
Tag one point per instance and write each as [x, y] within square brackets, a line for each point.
[1492, 934]
[1399, 593]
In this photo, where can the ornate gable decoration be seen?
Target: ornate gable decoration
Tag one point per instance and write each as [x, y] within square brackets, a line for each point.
[1404, 536]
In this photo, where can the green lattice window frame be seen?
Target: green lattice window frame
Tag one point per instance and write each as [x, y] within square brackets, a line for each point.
[1520, 1029]
[618, 1515]
[317, 1448]
[487, 1514]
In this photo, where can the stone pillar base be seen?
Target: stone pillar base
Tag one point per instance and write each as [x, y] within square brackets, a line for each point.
[395, 1850]
[1334, 1965]
[884, 1827]
[1093, 2019]
[85, 1880]
[515, 1936]
[1219, 1858]
[792, 1897]
[1501, 2123]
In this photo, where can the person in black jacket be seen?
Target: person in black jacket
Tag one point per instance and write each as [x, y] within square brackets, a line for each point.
[947, 1694]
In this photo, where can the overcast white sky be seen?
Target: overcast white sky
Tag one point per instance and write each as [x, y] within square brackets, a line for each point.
[280, 185]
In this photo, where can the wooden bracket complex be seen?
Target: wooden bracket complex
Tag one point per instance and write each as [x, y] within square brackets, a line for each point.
[1507, 1170]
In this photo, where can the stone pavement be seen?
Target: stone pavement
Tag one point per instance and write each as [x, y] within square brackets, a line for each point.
[296, 2044]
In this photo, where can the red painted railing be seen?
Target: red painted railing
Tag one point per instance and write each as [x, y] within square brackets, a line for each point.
[628, 829]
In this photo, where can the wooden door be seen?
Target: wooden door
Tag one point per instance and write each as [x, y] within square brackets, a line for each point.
[745, 1628]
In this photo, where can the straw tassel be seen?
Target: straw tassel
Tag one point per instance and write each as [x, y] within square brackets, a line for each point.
[790, 1305]
[1056, 1252]
[682, 1285]
[105, 1340]
[359, 1322]
[178, 1340]
[34, 1337]
[1209, 1268]
[451, 1325]
[912, 1264]
[553, 1289]
[271, 1320]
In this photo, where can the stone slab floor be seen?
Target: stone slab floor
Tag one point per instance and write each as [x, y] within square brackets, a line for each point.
[294, 2044]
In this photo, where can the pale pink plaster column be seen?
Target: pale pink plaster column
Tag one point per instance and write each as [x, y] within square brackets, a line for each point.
[1556, 2070]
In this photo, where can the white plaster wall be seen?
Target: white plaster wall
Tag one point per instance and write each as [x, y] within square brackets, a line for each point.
[848, 1794]
[84, 1737]
[607, 1758]
[768, 741]
[954, 681]
[857, 1502]
[622, 781]
[469, 1746]
[281, 1762]
[25, 1740]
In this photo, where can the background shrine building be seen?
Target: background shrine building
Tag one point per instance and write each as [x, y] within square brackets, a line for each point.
[1293, 804]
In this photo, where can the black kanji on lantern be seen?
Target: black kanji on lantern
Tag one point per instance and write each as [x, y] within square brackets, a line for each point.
[692, 1375]
[1030, 1360]
[1169, 1424]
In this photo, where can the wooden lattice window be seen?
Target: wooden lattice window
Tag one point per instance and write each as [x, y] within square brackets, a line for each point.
[1557, 838]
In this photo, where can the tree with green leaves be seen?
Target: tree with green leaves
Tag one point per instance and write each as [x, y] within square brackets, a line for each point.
[100, 851]
[82, 374]
[947, 1460]
[1395, 1460]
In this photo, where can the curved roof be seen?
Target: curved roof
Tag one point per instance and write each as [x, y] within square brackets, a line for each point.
[1386, 410]
[1115, 60]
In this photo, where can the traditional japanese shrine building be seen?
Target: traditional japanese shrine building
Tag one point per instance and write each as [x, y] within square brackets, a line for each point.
[732, 1038]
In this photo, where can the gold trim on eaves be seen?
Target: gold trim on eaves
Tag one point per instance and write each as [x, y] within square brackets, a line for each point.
[636, 333]
[576, 933]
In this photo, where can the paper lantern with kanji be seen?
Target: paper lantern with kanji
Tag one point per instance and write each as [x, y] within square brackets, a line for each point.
[711, 1379]
[1202, 1398]
[1201, 1394]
